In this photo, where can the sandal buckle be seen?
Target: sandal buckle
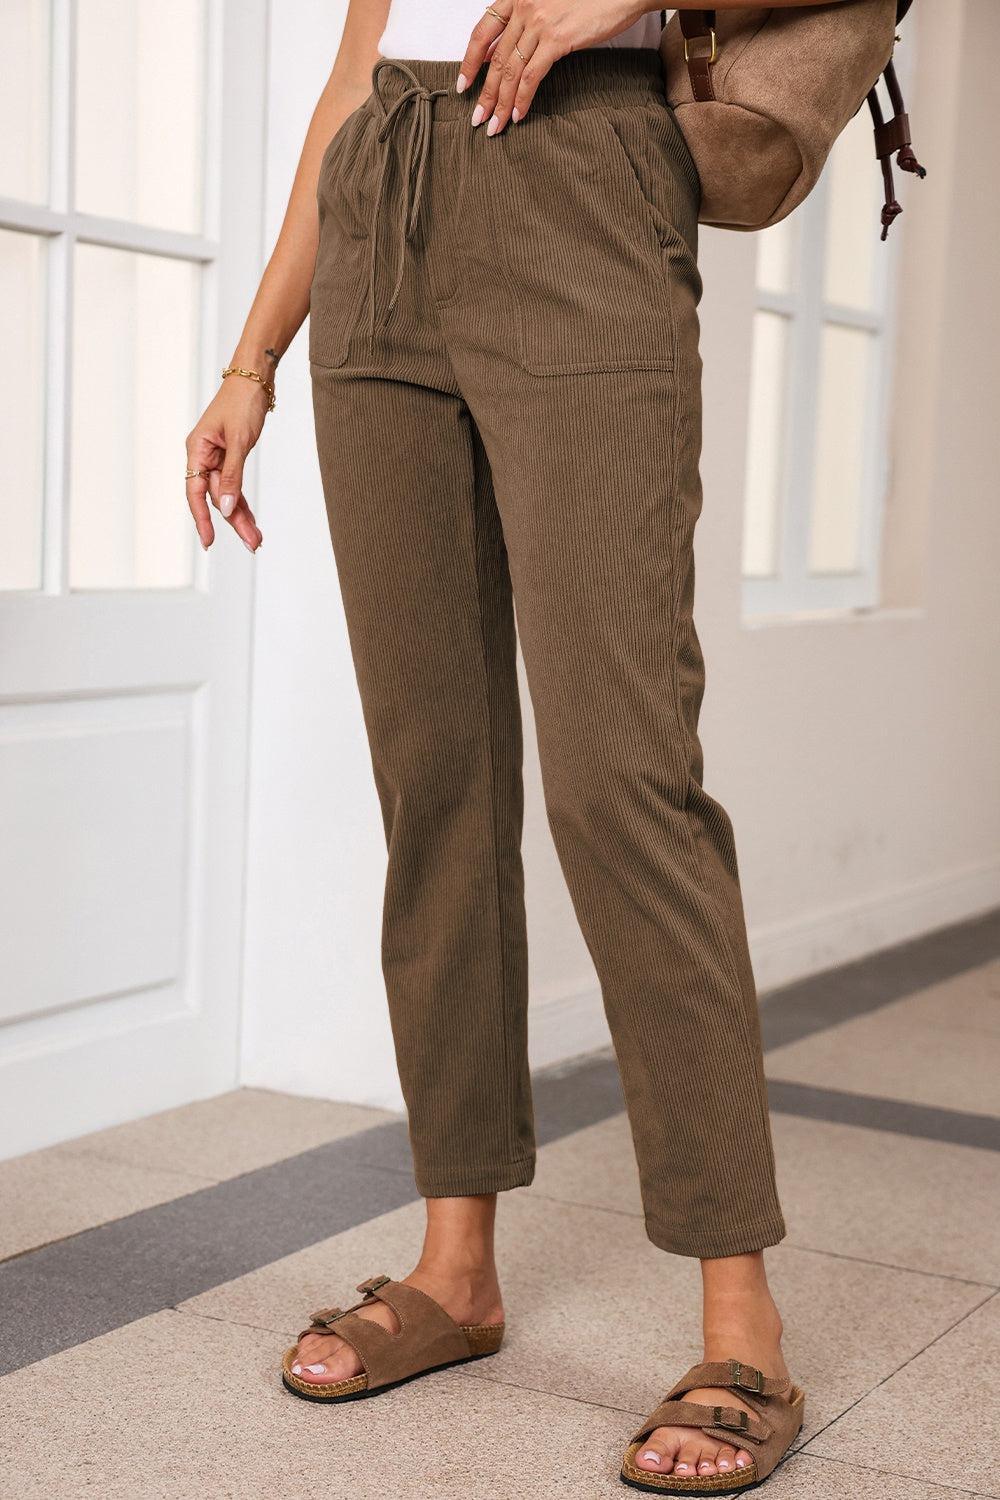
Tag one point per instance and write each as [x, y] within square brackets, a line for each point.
[326, 1316]
[372, 1285]
[724, 1417]
[739, 1375]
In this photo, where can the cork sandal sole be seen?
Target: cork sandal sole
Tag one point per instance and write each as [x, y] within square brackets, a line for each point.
[484, 1340]
[716, 1485]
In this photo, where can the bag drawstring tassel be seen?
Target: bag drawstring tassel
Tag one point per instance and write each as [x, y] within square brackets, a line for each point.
[892, 136]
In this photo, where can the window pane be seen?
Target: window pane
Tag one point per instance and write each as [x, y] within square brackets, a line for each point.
[138, 143]
[840, 474]
[776, 249]
[765, 446]
[22, 297]
[24, 99]
[852, 229]
[134, 360]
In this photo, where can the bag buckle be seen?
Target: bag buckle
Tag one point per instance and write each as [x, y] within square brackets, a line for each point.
[708, 57]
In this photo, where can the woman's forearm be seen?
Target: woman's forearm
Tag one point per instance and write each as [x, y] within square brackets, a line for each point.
[282, 299]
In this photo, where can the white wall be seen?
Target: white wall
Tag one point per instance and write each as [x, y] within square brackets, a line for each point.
[856, 756]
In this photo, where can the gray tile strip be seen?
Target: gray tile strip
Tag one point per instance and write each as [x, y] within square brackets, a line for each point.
[99, 1280]
[954, 1126]
[838, 995]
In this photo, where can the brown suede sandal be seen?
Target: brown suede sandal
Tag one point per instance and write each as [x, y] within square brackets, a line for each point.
[767, 1436]
[428, 1339]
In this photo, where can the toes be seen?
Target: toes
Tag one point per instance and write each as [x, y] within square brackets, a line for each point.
[688, 1454]
[743, 1459]
[707, 1458]
[656, 1454]
[725, 1459]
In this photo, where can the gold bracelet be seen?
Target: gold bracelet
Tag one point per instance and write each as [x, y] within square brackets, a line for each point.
[254, 375]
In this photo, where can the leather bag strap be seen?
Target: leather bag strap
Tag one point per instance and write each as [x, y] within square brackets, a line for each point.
[698, 29]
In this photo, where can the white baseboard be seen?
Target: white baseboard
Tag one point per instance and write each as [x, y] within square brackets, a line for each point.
[567, 1022]
[786, 951]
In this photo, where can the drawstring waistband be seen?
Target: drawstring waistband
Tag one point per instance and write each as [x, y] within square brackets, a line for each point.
[414, 162]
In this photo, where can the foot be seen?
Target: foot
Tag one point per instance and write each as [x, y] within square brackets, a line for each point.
[325, 1359]
[754, 1339]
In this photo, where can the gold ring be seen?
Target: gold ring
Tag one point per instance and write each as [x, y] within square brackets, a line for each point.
[520, 53]
[196, 473]
[491, 12]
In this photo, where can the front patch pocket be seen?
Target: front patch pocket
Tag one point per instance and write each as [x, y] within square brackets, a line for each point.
[337, 292]
[588, 274]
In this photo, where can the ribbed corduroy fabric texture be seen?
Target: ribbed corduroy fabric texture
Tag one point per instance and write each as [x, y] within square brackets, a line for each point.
[522, 428]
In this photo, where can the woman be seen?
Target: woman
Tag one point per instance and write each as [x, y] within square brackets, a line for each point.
[503, 289]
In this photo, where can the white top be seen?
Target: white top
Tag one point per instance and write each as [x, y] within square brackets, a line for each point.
[438, 30]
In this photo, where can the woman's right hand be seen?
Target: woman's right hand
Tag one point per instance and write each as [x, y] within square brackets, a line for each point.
[218, 446]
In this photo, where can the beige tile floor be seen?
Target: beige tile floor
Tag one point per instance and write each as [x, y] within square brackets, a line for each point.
[66, 1189]
[938, 1048]
[888, 1280]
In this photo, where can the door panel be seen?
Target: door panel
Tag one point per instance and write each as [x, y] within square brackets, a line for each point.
[124, 650]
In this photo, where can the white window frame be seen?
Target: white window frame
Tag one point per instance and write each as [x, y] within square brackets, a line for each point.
[63, 227]
[792, 589]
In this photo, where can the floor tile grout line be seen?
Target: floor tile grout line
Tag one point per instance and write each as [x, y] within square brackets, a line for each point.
[207, 1317]
[898, 1370]
[789, 1244]
[541, 1390]
[843, 1463]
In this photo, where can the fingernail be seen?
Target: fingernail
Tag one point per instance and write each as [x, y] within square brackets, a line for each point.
[650, 1457]
[493, 126]
[316, 1369]
[515, 115]
[461, 84]
[227, 504]
[477, 115]
[296, 1369]
[246, 544]
[204, 546]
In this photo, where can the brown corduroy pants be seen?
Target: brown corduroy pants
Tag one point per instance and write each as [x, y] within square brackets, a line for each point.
[506, 379]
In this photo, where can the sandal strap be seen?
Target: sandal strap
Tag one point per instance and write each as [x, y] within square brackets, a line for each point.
[730, 1374]
[427, 1335]
[723, 1422]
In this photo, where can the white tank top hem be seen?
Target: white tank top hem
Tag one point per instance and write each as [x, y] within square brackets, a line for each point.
[438, 30]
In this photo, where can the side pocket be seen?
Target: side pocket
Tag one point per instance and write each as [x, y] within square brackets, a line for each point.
[337, 288]
[335, 295]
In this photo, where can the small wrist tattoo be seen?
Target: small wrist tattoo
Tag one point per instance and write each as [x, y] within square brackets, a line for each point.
[272, 355]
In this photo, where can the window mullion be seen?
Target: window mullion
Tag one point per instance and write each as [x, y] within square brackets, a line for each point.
[806, 351]
[59, 302]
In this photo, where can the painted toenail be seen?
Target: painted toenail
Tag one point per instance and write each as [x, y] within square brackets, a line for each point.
[704, 1467]
[650, 1457]
[723, 1463]
[741, 1463]
[681, 1468]
[296, 1369]
[316, 1369]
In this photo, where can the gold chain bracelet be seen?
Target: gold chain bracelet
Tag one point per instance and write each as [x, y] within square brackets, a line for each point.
[254, 375]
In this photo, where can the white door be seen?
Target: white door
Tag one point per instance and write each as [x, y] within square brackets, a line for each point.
[131, 151]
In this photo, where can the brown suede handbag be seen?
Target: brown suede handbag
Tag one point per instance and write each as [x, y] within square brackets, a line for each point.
[761, 95]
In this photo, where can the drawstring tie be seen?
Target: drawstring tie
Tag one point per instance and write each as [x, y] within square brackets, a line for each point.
[892, 135]
[414, 163]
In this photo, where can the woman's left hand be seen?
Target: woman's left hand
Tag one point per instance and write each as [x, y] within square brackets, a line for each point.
[527, 37]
